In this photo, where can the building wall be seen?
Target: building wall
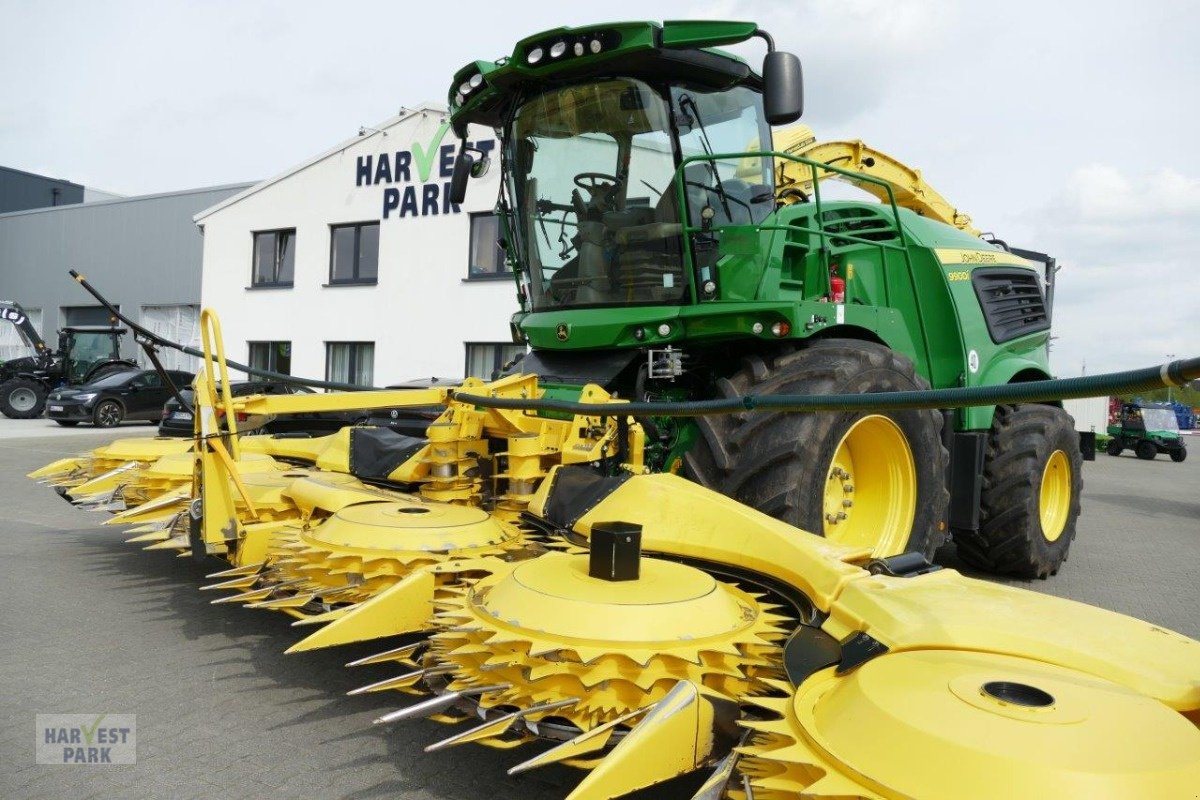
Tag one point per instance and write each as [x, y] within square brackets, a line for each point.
[140, 251]
[21, 190]
[422, 309]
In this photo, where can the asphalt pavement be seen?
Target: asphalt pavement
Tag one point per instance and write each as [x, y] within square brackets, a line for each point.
[93, 625]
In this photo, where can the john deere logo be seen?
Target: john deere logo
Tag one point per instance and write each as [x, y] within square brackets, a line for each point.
[419, 176]
[562, 331]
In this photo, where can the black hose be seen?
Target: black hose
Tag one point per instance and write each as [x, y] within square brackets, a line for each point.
[1175, 373]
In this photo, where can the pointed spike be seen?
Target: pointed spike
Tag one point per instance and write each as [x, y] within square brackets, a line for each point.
[438, 704]
[395, 654]
[291, 601]
[236, 583]
[714, 787]
[586, 742]
[398, 682]
[156, 536]
[498, 726]
[247, 569]
[245, 597]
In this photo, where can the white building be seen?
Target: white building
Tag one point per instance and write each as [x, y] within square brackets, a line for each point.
[354, 266]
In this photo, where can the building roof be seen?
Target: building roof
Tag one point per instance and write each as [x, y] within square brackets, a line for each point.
[43, 177]
[364, 134]
[116, 201]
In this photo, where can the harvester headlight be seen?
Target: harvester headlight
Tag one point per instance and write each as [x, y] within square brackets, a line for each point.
[535, 55]
[664, 330]
[557, 49]
[476, 79]
[464, 87]
[757, 327]
[710, 287]
[458, 99]
[781, 329]
[595, 46]
[578, 48]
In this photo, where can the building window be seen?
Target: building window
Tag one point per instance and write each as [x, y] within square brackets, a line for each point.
[354, 253]
[350, 362]
[87, 315]
[484, 359]
[271, 356]
[179, 323]
[274, 258]
[487, 257]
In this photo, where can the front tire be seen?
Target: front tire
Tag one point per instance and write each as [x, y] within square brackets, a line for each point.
[1032, 479]
[1146, 450]
[873, 480]
[108, 414]
[1178, 455]
[22, 398]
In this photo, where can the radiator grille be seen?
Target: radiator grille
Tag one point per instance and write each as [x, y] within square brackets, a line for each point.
[1012, 301]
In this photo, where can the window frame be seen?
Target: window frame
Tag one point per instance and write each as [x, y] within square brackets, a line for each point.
[273, 356]
[274, 284]
[500, 362]
[356, 280]
[352, 364]
[506, 272]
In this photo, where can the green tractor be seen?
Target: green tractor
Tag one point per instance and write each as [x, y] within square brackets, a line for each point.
[1147, 429]
[663, 250]
[84, 354]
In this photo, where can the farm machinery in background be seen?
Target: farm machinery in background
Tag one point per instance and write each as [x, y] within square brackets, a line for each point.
[1147, 429]
[84, 354]
[535, 572]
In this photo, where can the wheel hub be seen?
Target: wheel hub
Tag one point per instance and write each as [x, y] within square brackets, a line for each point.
[871, 487]
[22, 399]
[1054, 503]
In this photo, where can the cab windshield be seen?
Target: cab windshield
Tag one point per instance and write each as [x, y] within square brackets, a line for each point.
[591, 170]
[1160, 419]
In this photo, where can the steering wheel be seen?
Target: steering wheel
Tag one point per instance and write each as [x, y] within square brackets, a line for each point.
[596, 182]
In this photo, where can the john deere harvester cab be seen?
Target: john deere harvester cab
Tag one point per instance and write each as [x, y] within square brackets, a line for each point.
[84, 354]
[663, 250]
[1147, 429]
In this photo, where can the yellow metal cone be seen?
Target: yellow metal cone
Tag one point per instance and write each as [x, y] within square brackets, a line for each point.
[402, 608]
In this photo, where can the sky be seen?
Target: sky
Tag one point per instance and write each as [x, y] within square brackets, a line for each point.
[1066, 126]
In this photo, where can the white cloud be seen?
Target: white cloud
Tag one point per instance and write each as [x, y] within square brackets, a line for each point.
[1128, 293]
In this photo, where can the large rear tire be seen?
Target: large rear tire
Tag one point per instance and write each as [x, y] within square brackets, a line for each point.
[22, 398]
[866, 479]
[1032, 478]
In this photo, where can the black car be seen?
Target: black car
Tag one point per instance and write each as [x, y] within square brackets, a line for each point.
[177, 421]
[107, 401]
[411, 421]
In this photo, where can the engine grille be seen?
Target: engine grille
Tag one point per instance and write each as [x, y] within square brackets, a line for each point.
[1012, 301]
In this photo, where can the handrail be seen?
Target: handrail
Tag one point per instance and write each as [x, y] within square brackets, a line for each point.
[821, 232]
[210, 332]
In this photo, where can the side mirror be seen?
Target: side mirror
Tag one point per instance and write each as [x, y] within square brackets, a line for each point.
[783, 99]
[463, 164]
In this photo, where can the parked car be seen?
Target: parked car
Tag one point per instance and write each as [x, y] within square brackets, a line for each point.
[410, 421]
[175, 420]
[114, 398]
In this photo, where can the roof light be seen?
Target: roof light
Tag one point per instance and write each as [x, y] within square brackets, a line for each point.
[557, 49]
[595, 46]
[458, 99]
[464, 87]
[535, 55]
[757, 327]
[476, 79]
[578, 48]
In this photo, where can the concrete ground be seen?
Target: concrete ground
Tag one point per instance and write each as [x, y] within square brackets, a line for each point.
[49, 429]
[93, 625]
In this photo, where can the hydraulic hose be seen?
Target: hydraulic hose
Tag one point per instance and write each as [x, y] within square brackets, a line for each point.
[1175, 373]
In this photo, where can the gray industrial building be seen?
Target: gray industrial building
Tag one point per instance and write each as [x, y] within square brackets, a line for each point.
[20, 190]
[143, 252]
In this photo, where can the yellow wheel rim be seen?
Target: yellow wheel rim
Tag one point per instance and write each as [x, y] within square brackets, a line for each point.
[1055, 502]
[871, 488]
